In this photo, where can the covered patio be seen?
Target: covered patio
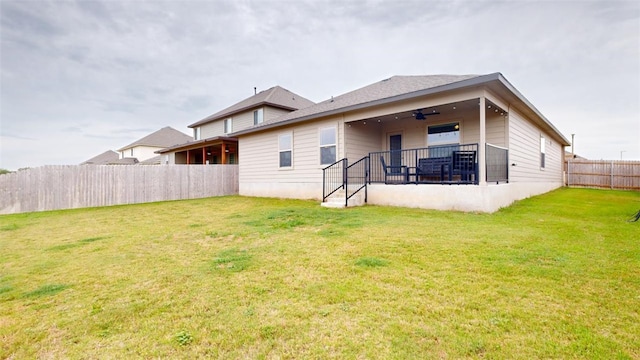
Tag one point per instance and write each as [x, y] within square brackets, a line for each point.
[211, 151]
[454, 140]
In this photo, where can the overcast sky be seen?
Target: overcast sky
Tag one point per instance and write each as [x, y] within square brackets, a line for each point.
[83, 77]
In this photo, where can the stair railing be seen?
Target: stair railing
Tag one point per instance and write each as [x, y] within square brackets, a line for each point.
[357, 176]
[333, 178]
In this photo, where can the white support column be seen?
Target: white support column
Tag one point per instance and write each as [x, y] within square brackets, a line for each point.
[482, 167]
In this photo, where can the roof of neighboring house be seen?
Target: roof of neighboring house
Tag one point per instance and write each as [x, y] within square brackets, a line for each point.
[165, 137]
[125, 161]
[398, 88]
[102, 159]
[275, 96]
[151, 161]
[569, 156]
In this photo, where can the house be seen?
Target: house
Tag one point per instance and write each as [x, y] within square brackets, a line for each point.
[212, 142]
[102, 159]
[143, 151]
[451, 142]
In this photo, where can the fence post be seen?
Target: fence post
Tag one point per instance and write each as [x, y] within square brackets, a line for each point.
[611, 174]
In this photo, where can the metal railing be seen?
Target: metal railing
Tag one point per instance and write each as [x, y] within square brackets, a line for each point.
[333, 178]
[497, 162]
[356, 178]
[446, 164]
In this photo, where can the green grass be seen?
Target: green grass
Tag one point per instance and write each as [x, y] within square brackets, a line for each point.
[555, 276]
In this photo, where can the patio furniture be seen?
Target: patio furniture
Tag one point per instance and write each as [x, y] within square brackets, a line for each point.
[398, 171]
[433, 167]
[464, 164]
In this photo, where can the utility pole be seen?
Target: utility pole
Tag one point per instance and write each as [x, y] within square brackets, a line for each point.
[572, 153]
[622, 151]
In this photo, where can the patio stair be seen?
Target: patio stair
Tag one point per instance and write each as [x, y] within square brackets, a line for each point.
[336, 200]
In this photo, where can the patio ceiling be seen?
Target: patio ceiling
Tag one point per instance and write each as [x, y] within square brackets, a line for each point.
[444, 111]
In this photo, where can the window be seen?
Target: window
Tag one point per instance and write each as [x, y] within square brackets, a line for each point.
[227, 126]
[131, 152]
[443, 134]
[196, 133]
[542, 151]
[327, 146]
[258, 117]
[285, 148]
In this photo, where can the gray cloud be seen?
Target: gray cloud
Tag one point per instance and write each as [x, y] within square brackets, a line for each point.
[113, 68]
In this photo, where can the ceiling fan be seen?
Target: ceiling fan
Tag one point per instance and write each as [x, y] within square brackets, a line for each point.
[420, 116]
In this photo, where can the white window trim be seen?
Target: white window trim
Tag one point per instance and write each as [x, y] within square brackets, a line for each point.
[290, 134]
[256, 111]
[196, 133]
[224, 126]
[320, 145]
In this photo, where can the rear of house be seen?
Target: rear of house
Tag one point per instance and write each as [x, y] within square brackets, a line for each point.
[468, 142]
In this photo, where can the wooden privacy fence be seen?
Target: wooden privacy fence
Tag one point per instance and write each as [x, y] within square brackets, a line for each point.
[609, 174]
[79, 186]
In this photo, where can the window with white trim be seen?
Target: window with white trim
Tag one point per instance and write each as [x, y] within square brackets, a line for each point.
[542, 151]
[328, 146]
[196, 133]
[258, 116]
[285, 150]
[227, 126]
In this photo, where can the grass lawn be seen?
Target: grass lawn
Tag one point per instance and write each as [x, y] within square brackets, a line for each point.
[555, 276]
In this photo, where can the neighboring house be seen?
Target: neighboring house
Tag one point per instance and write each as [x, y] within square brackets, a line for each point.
[569, 156]
[144, 150]
[212, 143]
[470, 142]
[102, 159]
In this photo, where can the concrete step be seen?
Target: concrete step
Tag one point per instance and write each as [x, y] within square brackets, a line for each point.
[336, 200]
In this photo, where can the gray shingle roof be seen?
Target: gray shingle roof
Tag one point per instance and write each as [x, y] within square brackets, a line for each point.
[165, 137]
[125, 161]
[275, 96]
[102, 159]
[156, 160]
[385, 89]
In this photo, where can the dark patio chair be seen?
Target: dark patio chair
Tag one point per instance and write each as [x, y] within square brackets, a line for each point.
[400, 171]
[464, 164]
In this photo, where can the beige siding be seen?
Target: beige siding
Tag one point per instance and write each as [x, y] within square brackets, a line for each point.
[361, 141]
[497, 130]
[259, 154]
[141, 152]
[524, 151]
[271, 113]
[212, 129]
[243, 120]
